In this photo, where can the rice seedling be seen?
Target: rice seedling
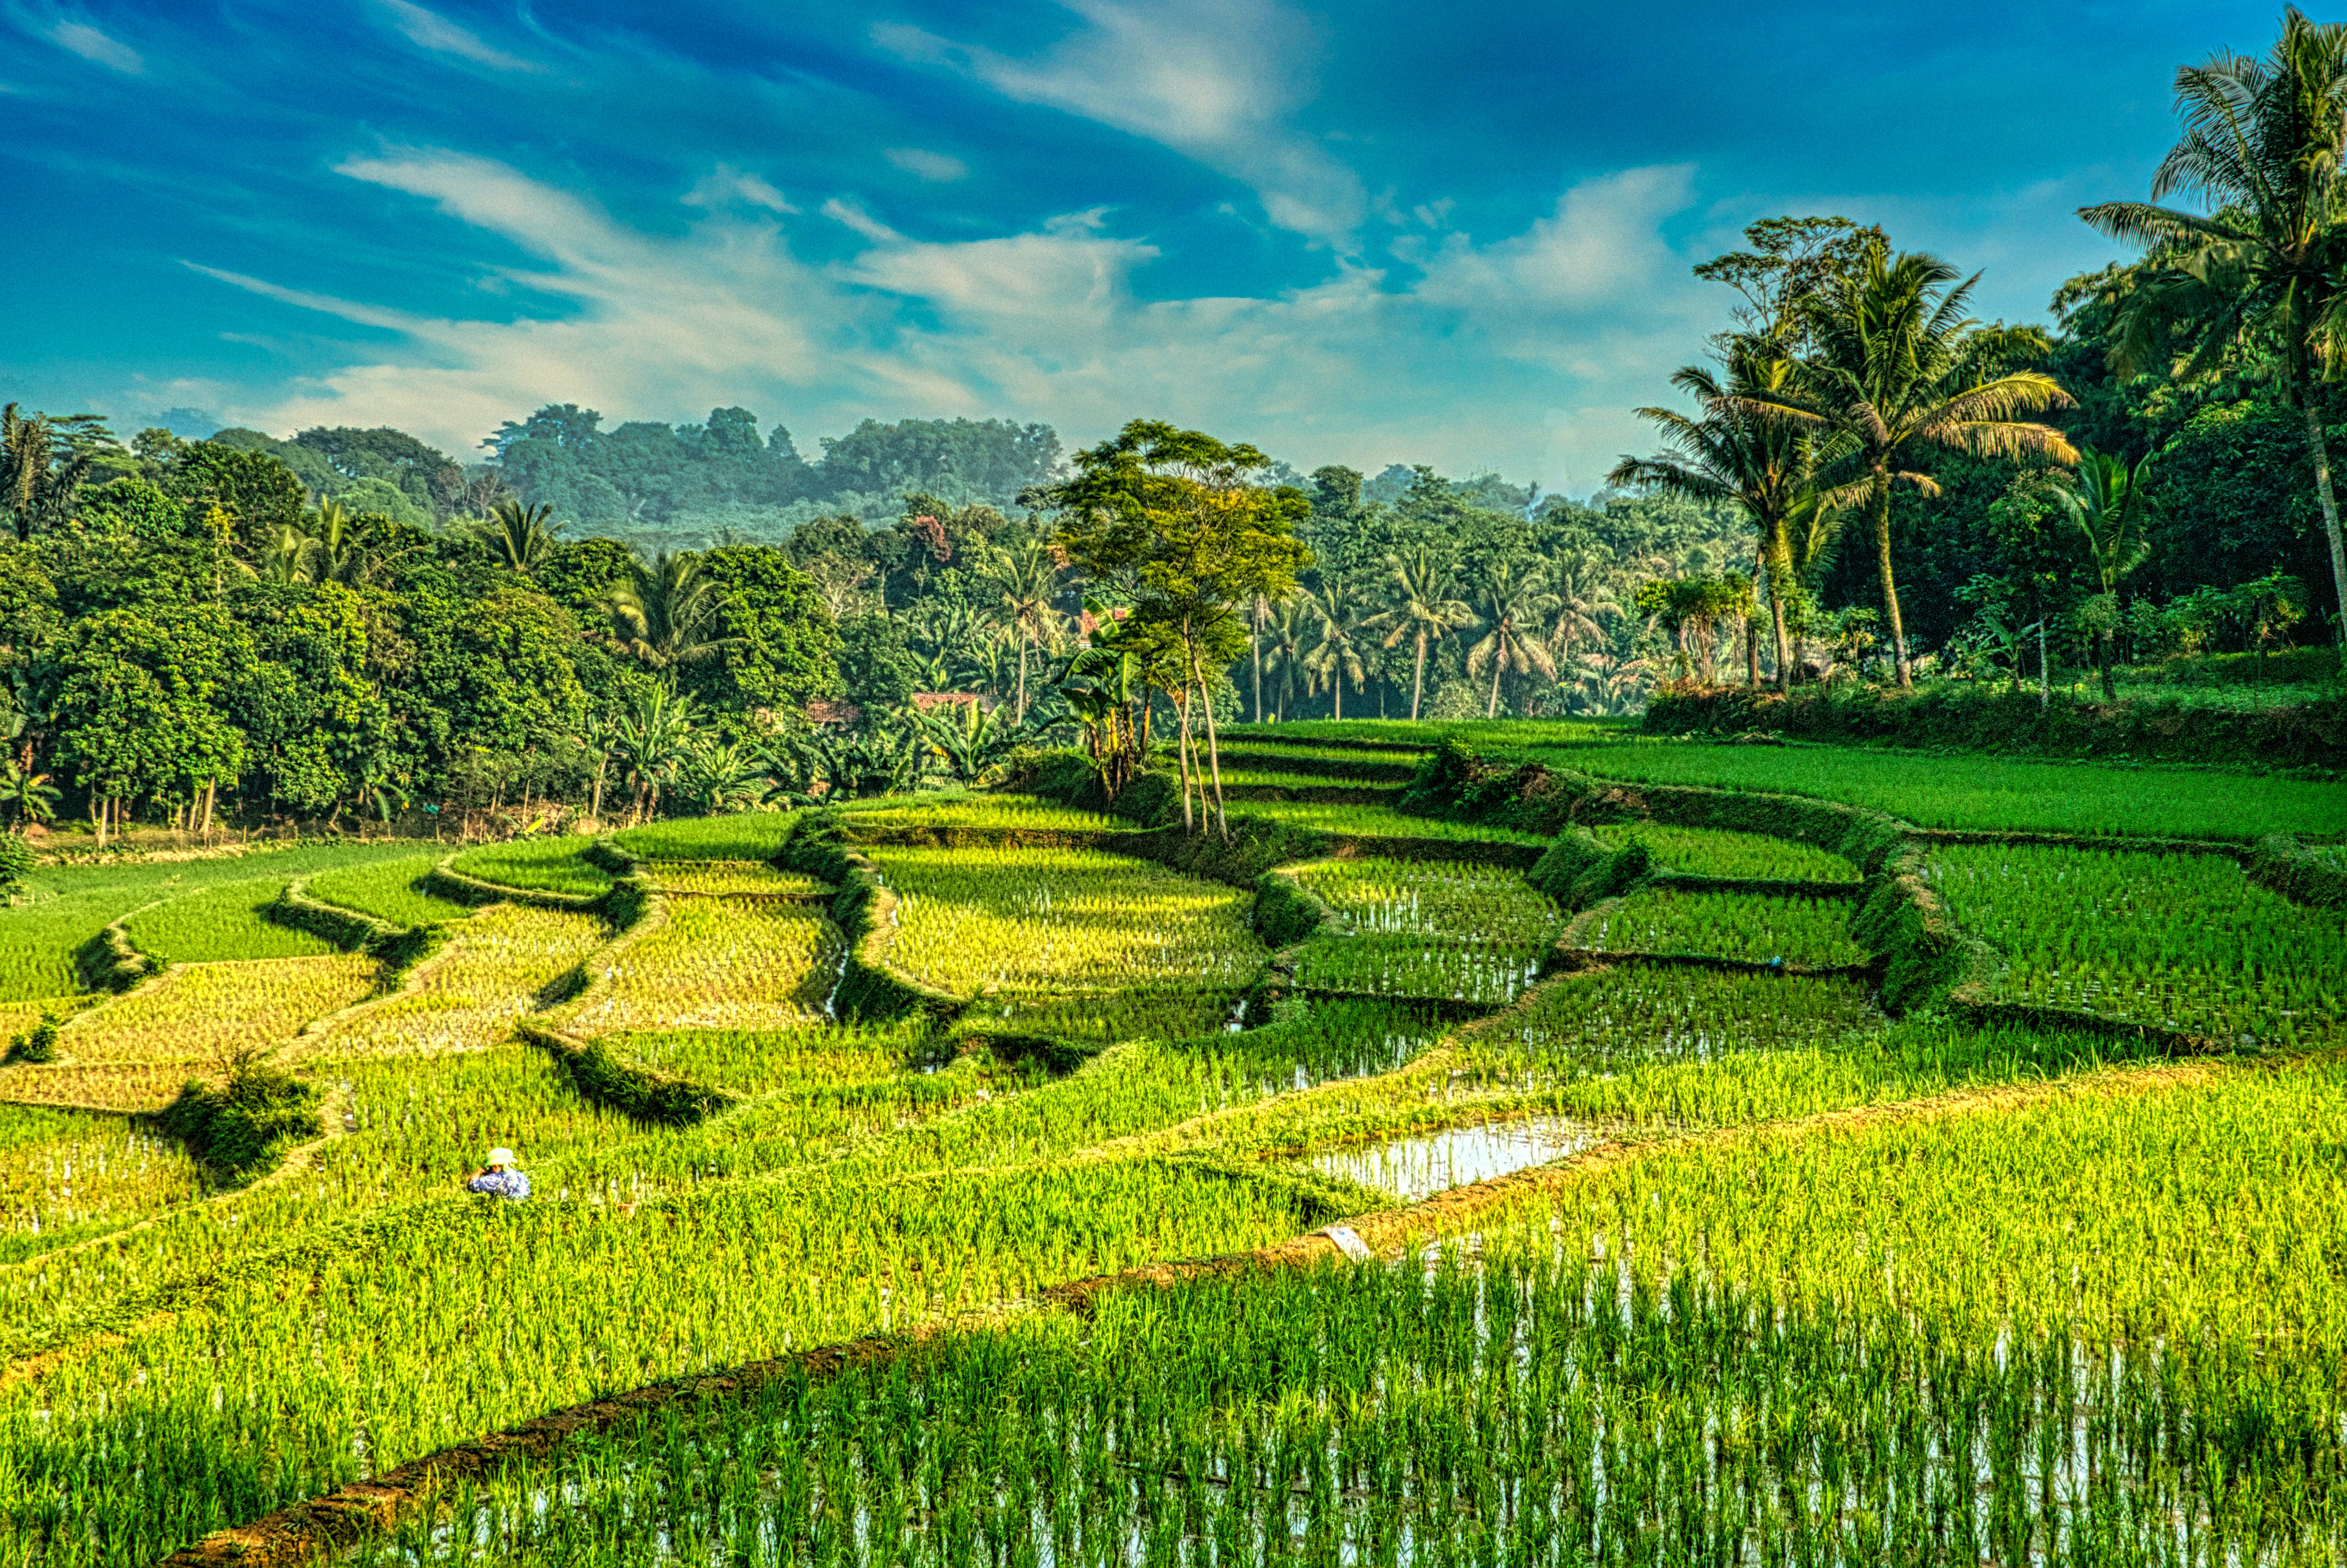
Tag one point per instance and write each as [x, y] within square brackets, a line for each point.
[220, 923]
[387, 890]
[63, 1174]
[2182, 940]
[466, 997]
[183, 1023]
[1375, 821]
[984, 812]
[806, 1059]
[1141, 1013]
[716, 962]
[736, 878]
[1271, 776]
[1490, 973]
[1447, 900]
[67, 904]
[542, 864]
[1758, 928]
[1062, 920]
[1718, 852]
[747, 835]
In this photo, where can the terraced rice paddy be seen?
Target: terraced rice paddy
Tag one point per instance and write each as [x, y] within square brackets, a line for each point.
[1766, 928]
[543, 864]
[1718, 852]
[980, 814]
[1758, 1272]
[2183, 941]
[1062, 920]
[497, 967]
[1378, 822]
[721, 963]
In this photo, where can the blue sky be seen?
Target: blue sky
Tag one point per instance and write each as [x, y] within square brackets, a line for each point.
[1366, 233]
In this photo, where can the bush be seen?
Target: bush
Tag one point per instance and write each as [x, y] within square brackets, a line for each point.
[38, 1043]
[16, 862]
[243, 1127]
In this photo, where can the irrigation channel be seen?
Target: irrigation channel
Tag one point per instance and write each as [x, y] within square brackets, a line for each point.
[1638, 1169]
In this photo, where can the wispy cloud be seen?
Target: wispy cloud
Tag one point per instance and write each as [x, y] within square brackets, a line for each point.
[1215, 80]
[1364, 366]
[97, 47]
[430, 30]
[922, 164]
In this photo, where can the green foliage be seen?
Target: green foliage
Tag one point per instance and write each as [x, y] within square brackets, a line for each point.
[241, 1128]
[37, 1044]
[16, 862]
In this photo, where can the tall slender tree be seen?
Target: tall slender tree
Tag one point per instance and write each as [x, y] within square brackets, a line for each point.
[1023, 584]
[1898, 370]
[2266, 267]
[667, 613]
[522, 537]
[1336, 658]
[1422, 607]
[1509, 606]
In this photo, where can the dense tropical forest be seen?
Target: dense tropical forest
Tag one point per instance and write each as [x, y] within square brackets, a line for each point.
[1857, 482]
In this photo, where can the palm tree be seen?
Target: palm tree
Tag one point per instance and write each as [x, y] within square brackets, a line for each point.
[1424, 607]
[1735, 452]
[288, 557]
[1024, 583]
[1509, 609]
[2107, 503]
[1895, 375]
[343, 553]
[2262, 144]
[522, 537]
[1336, 657]
[649, 739]
[1577, 609]
[33, 489]
[667, 614]
[1283, 632]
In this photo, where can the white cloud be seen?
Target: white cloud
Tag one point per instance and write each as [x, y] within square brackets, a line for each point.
[727, 183]
[1525, 352]
[938, 168]
[1215, 80]
[429, 30]
[94, 46]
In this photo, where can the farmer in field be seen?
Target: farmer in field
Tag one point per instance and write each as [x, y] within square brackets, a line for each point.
[499, 1178]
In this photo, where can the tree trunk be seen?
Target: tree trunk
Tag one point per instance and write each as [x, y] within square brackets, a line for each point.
[1491, 708]
[2103, 658]
[1883, 557]
[1020, 717]
[2045, 668]
[1338, 688]
[1181, 754]
[2320, 451]
[1213, 752]
[1776, 575]
[1417, 679]
[1255, 641]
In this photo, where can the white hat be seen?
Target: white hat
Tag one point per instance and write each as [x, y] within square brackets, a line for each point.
[501, 1157]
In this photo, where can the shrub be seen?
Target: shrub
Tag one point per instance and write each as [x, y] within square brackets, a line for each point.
[17, 861]
[243, 1127]
[38, 1043]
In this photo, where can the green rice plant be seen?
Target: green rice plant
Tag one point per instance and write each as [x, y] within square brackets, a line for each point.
[553, 864]
[387, 890]
[1446, 900]
[738, 878]
[64, 1174]
[986, 812]
[1140, 1013]
[1490, 973]
[133, 1052]
[745, 836]
[1376, 821]
[715, 962]
[1607, 1019]
[2185, 940]
[1273, 777]
[1757, 929]
[1062, 920]
[1718, 852]
[809, 1058]
[493, 969]
[67, 904]
[1324, 1040]
[220, 923]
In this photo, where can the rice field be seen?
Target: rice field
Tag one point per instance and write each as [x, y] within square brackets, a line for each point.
[1718, 852]
[2184, 940]
[1375, 821]
[539, 864]
[715, 962]
[1766, 928]
[387, 890]
[1060, 920]
[983, 812]
[494, 968]
[1780, 1278]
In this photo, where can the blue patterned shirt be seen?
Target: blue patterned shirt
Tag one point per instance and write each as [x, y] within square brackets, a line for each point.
[505, 1183]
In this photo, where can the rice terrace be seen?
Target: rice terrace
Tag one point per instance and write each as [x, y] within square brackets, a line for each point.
[634, 999]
